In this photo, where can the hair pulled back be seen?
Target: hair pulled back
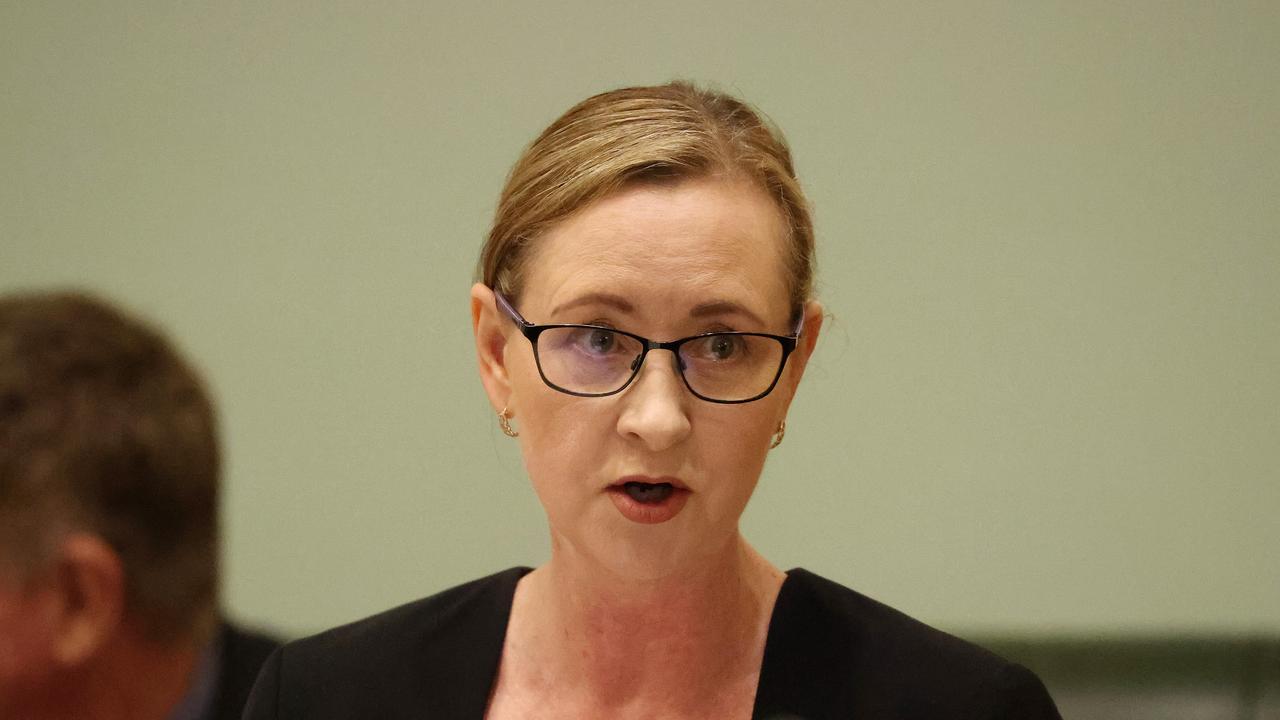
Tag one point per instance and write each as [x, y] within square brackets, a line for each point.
[663, 133]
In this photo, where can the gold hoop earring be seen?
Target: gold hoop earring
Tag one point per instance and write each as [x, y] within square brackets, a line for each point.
[504, 422]
[777, 436]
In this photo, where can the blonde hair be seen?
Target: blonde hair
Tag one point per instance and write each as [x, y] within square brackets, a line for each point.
[663, 133]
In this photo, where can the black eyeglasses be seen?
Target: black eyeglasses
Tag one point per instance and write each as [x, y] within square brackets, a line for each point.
[595, 360]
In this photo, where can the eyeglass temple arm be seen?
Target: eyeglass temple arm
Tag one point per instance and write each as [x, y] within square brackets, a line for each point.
[509, 310]
[799, 324]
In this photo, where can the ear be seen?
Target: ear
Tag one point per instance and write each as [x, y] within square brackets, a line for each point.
[492, 328]
[812, 328]
[89, 582]
[799, 360]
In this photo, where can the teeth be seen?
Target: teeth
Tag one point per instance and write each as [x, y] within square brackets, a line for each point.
[647, 492]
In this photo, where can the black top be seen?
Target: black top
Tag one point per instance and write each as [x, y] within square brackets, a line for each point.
[830, 653]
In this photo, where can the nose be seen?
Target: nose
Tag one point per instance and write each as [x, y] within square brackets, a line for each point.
[654, 407]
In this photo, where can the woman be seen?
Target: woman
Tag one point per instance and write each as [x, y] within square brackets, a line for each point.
[642, 321]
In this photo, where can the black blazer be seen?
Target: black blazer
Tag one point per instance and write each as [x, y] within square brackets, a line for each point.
[240, 658]
[830, 653]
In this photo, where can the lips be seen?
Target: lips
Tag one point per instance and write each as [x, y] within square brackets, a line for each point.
[648, 493]
[648, 500]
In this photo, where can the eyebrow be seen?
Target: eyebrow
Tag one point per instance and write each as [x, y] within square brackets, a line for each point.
[725, 307]
[616, 302]
[702, 310]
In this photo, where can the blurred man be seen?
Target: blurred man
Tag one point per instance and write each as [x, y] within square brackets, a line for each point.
[108, 524]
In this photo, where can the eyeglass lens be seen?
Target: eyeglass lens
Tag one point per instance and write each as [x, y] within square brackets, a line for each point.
[597, 361]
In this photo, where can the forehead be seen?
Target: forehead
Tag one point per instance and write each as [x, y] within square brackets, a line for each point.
[666, 248]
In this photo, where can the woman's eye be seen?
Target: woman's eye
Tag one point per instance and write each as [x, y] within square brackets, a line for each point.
[601, 341]
[724, 347]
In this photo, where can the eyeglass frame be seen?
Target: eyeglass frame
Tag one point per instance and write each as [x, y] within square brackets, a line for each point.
[531, 331]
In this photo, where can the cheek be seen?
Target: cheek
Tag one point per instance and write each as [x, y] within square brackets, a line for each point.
[733, 445]
[749, 427]
[24, 640]
[564, 442]
[753, 453]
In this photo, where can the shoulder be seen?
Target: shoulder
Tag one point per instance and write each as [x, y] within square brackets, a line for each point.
[399, 658]
[402, 629]
[242, 652]
[858, 655]
[813, 605]
[244, 647]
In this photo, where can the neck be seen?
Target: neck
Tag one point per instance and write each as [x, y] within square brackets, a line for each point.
[697, 633]
[132, 678]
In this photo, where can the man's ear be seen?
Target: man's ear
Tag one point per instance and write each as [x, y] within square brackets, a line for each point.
[491, 332]
[89, 607]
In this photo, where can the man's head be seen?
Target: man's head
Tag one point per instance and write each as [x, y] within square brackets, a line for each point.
[108, 487]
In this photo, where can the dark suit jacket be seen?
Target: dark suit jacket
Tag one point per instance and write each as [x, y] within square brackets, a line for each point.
[241, 656]
[830, 653]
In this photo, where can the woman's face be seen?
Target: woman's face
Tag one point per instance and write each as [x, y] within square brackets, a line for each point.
[665, 262]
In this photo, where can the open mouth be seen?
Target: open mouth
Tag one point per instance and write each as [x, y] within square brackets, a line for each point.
[649, 500]
[648, 493]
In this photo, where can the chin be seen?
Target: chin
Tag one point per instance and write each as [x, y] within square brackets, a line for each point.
[641, 568]
[640, 553]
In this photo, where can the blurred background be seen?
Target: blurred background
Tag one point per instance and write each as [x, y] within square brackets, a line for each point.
[1047, 401]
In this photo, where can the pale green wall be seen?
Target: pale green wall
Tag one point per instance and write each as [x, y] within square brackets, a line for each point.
[1048, 233]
